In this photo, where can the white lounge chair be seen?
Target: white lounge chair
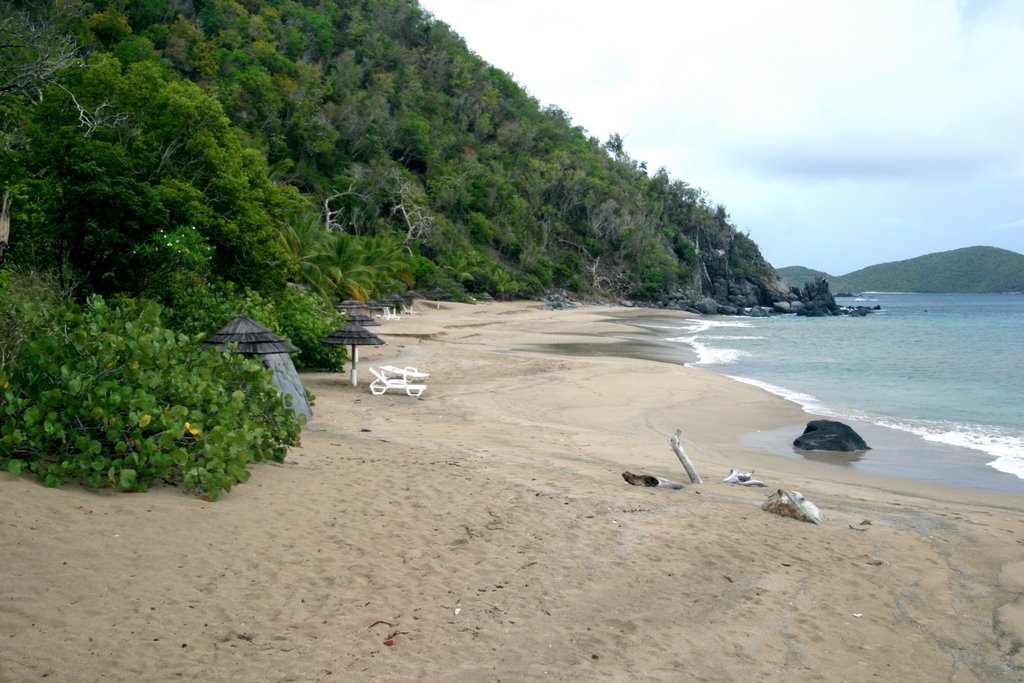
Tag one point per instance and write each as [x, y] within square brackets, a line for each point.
[382, 382]
[407, 373]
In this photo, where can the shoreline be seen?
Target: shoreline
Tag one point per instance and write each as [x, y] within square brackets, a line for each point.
[484, 532]
[895, 452]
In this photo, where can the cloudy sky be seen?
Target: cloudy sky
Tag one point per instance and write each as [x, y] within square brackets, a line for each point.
[838, 133]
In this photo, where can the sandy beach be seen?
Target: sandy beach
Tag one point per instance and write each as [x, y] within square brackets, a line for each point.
[484, 532]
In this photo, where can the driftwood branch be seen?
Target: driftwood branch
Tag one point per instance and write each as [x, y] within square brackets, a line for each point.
[683, 458]
[742, 479]
[650, 480]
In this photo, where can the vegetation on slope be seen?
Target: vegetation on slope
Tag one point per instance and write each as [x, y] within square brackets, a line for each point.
[251, 121]
[967, 270]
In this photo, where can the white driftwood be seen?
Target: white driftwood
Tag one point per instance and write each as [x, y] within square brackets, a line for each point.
[742, 479]
[650, 480]
[683, 458]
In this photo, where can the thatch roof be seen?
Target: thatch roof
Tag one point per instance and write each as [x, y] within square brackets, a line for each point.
[251, 338]
[361, 318]
[352, 334]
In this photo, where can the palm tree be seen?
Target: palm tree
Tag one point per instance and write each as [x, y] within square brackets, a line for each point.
[345, 267]
[387, 255]
[458, 265]
[305, 243]
[502, 281]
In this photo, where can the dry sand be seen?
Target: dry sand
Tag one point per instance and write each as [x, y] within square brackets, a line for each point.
[484, 533]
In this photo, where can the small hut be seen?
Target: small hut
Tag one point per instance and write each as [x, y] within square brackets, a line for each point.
[248, 337]
[354, 335]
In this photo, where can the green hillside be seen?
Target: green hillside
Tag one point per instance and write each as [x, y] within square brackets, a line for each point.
[971, 269]
[797, 276]
[356, 146]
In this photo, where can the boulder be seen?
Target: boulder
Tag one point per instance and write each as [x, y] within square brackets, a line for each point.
[817, 299]
[707, 306]
[829, 435]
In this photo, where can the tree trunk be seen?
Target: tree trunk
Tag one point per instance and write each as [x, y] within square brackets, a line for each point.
[5, 224]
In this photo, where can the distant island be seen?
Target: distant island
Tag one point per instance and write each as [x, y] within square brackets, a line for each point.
[974, 270]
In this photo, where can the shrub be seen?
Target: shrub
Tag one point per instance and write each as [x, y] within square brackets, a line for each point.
[300, 317]
[304, 319]
[110, 397]
[205, 309]
[21, 290]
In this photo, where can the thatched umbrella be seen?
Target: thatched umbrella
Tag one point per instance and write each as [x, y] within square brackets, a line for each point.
[395, 301]
[437, 294]
[349, 305]
[251, 338]
[361, 318]
[354, 335]
[246, 336]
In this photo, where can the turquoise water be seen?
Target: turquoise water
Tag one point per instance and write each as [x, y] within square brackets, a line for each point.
[948, 368]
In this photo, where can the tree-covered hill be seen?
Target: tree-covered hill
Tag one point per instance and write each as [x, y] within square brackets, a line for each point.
[359, 146]
[972, 269]
[798, 275]
[967, 270]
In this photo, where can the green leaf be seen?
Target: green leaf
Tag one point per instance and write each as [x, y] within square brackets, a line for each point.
[128, 477]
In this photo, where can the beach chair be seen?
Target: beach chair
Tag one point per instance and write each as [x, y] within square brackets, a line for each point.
[389, 314]
[407, 373]
[383, 382]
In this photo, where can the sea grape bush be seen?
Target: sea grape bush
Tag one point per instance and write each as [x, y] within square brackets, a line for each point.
[19, 288]
[110, 397]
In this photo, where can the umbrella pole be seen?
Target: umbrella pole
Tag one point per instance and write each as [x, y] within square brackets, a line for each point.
[355, 361]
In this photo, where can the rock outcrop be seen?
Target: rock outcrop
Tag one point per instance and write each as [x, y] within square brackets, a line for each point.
[829, 435]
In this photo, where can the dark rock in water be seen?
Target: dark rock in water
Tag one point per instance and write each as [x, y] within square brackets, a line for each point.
[817, 299]
[829, 435]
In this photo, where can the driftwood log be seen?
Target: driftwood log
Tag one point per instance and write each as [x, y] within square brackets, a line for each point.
[793, 504]
[650, 480]
[742, 479]
[683, 458]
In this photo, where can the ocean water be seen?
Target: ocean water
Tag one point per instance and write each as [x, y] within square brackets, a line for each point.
[947, 369]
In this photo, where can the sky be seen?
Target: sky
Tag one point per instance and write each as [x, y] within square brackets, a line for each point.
[837, 133]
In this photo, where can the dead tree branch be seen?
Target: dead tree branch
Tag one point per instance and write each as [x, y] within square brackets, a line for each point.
[5, 224]
[683, 458]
